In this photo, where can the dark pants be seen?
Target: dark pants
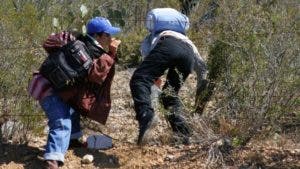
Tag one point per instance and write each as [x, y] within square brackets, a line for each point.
[169, 53]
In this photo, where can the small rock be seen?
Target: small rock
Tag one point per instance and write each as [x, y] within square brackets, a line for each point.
[295, 151]
[87, 159]
[220, 142]
[169, 158]
[179, 146]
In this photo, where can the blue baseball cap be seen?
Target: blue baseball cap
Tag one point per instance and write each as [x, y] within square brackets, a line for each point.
[100, 24]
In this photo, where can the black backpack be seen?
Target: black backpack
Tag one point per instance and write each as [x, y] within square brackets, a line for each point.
[68, 65]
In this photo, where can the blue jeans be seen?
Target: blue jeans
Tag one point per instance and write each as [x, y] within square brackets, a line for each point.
[64, 124]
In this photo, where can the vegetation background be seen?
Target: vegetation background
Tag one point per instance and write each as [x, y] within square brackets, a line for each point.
[251, 47]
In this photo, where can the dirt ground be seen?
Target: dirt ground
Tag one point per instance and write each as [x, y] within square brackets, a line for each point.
[161, 151]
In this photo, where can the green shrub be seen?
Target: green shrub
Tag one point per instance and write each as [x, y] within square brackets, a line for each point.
[254, 61]
[128, 52]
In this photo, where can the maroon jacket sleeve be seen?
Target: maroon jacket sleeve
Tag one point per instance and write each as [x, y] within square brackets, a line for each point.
[96, 104]
[101, 67]
[56, 41]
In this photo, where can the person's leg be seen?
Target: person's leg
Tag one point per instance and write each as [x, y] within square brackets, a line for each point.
[175, 78]
[140, 85]
[172, 103]
[59, 122]
[174, 81]
[153, 67]
[76, 132]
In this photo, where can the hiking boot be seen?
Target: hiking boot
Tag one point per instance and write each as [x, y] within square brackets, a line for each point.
[179, 126]
[145, 123]
[51, 164]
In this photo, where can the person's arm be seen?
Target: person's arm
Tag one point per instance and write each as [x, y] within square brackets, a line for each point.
[102, 65]
[204, 87]
[100, 69]
[201, 71]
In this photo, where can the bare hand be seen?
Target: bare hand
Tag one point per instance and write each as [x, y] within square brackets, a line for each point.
[115, 42]
[113, 46]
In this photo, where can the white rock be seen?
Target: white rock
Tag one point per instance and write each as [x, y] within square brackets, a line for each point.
[87, 159]
[169, 157]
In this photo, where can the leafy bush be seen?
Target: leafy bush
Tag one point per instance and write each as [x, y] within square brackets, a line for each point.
[255, 62]
[128, 52]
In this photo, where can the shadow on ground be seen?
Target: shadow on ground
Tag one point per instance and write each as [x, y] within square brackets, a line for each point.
[101, 159]
[32, 157]
[29, 157]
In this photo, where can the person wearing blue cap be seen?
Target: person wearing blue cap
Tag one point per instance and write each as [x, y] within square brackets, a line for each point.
[90, 97]
[101, 30]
